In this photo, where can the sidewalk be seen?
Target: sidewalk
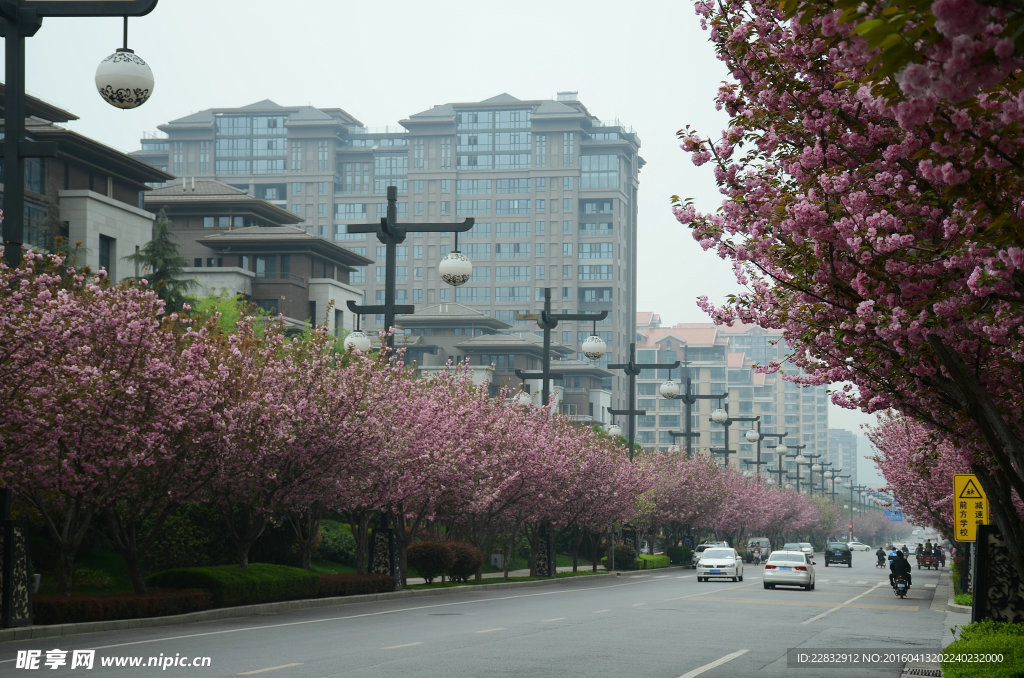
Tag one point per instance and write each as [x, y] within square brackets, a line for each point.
[956, 615]
[513, 573]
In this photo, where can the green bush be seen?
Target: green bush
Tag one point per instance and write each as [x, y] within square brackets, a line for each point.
[76, 609]
[625, 558]
[987, 638]
[430, 559]
[675, 554]
[184, 540]
[354, 584]
[337, 543]
[466, 560]
[653, 562]
[278, 544]
[231, 585]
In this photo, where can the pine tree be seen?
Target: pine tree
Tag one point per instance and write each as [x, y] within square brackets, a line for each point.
[163, 266]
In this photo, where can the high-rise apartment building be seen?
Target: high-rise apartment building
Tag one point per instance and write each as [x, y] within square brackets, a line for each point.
[843, 451]
[552, 190]
[720, 360]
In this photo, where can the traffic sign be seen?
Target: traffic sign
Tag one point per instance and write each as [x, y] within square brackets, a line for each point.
[970, 506]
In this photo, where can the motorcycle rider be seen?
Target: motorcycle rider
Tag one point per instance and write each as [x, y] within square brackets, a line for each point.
[900, 565]
[880, 554]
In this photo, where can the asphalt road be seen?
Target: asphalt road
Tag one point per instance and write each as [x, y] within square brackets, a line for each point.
[660, 624]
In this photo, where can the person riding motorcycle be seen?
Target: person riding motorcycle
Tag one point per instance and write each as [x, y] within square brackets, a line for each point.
[900, 566]
[880, 554]
[892, 554]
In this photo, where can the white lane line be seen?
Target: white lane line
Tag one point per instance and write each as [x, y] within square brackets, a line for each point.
[718, 662]
[600, 611]
[269, 668]
[376, 613]
[398, 647]
[490, 630]
[553, 619]
[639, 604]
[841, 605]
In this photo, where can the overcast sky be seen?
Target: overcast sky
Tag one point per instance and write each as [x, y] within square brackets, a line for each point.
[647, 64]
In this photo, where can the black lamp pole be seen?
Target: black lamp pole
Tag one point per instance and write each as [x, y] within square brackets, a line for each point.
[632, 368]
[20, 19]
[547, 321]
[391, 233]
[725, 451]
[689, 399]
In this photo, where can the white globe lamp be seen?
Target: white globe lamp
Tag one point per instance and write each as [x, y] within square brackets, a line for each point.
[124, 79]
[594, 347]
[357, 340]
[669, 389]
[455, 268]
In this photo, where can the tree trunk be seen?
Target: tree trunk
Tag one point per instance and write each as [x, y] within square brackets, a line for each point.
[244, 534]
[359, 522]
[306, 525]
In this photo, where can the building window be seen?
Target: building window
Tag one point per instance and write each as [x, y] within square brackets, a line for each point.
[567, 204]
[204, 157]
[599, 171]
[540, 151]
[417, 156]
[266, 266]
[568, 183]
[322, 156]
[295, 156]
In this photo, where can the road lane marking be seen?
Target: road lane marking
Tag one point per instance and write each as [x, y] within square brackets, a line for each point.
[809, 602]
[600, 611]
[709, 592]
[553, 619]
[398, 647]
[639, 604]
[841, 605]
[499, 628]
[718, 662]
[362, 615]
[269, 668]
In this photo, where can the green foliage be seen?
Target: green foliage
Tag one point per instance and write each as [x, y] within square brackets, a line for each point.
[337, 542]
[625, 558]
[231, 585]
[963, 599]
[678, 555]
[648, 562]
[231, 309]
[162, 265]
[987, 638]
[278, 544]
[430, 559]
[466, 560]
[185, 540]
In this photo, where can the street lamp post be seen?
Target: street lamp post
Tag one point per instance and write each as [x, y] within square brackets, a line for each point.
[670, 389]
[391, 233]
[548, 321]
[20, 20]
[721, 416]
[632, 368]
[757, 436]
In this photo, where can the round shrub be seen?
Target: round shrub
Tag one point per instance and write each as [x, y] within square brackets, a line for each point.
[625, 557]
[337, 543]
[430, 559]
[466, 561]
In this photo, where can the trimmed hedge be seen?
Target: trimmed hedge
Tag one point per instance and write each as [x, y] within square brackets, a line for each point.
[467, 560]
[430, 559]
[355, 584]
[54, 609]
[653, 562]
[987, 638]
[230, 585]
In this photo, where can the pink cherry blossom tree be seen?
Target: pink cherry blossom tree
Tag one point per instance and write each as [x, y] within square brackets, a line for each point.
[881, 232]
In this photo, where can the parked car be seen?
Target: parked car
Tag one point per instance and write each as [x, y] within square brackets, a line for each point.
[789, 568]
[859, 546]
[838, 552]
[719, 561]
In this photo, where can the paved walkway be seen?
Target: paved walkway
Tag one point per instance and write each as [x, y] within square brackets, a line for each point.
[513, 573]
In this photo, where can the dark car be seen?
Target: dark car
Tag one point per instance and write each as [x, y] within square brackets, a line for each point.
[838, 552]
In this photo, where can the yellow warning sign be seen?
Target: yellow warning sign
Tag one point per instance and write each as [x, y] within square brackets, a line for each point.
[970, 506]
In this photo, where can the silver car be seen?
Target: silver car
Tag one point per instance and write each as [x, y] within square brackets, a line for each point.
[789, 568]
[719, 561]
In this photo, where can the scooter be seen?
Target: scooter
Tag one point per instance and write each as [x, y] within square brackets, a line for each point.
[881, 561]
[900, 586]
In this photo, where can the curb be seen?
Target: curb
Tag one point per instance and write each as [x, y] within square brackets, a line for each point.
[58, 630]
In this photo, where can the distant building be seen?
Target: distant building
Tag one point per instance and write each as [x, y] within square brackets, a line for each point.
[843, 452]
[551, 187]
[720, 360]
[88, 194]
[238, 244]
[455, 333]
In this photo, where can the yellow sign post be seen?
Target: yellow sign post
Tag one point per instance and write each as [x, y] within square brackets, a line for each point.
[970, 506]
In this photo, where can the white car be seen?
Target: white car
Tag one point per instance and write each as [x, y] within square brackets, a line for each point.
[718, 561]
[806, 547]
[789, 568]
[858, 546]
